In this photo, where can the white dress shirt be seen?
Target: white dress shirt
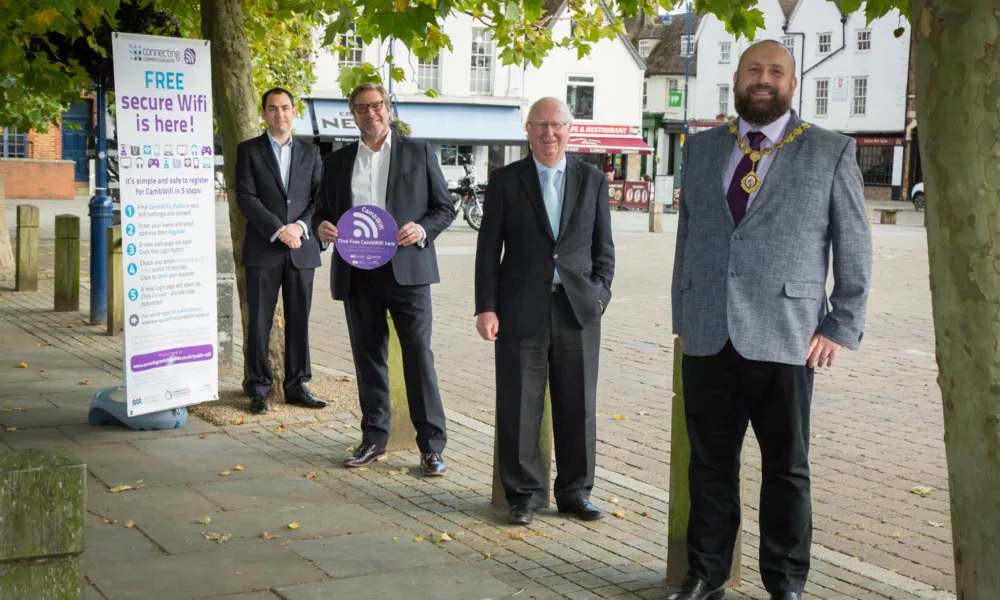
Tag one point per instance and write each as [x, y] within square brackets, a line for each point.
[284, 156]
[370, 177]
[558, 173]
[772, 135]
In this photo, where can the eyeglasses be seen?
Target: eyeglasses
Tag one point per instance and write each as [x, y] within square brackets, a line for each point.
[372, 106]
[556, 126]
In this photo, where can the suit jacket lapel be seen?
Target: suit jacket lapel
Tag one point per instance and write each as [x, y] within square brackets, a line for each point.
[395, 166]
[718, 163]
[783, 158]
[272, 162]
[571, 194]
[529, 176]
[346, 175]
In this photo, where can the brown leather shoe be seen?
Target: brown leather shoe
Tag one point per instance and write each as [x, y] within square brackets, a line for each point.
[365, 455]
[432, 465]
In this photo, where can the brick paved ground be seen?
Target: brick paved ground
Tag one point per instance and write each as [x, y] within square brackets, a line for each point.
[876, 427]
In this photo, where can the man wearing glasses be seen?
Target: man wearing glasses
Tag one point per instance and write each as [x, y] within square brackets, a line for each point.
[402, 176]
[544, 264]
[277, 186]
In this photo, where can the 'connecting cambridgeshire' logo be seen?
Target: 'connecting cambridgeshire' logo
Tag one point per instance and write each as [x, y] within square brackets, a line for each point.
[140, 53]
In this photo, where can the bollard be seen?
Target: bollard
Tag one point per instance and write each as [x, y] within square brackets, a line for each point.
[225, 282]
[679, 506]
[26, 271]
[402, 435]
[545, 449]
[116, 293]
[655, 217]
[67, 283]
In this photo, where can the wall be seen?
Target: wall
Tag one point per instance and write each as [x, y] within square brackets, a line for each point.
[658, 93]
[885, 65]
[46, 145]
[38, 179]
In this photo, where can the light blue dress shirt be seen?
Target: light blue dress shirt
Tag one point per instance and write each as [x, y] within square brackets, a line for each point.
[284, 156]
[559, 179]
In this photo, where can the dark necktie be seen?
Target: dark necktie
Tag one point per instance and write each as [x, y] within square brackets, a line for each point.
[736, 196]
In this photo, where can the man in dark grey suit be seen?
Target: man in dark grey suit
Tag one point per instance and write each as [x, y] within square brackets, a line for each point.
[542, 302]
[277, 183]
[763, 203]
[403, 177]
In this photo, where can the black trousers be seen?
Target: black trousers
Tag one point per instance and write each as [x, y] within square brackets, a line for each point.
[372, 293]
[565, 356]
[262, 297]
[722, 394]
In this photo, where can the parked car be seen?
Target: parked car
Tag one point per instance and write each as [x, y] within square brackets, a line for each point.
[917, 195]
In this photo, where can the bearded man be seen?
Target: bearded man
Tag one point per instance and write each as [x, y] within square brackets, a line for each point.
[751, 308]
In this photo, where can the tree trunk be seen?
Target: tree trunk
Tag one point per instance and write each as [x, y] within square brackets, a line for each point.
[236, 113]
[957, 63]
[6, 252]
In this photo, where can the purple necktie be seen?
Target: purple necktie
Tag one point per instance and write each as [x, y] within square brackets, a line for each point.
[736, 197]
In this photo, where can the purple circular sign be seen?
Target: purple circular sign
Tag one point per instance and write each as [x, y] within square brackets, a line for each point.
[366, 237]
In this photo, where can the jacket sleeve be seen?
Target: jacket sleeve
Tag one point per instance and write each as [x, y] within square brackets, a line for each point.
[326, 199]
[682, 233]
[265, 221]
[489, 246]
[315, 182]
[602, 245]
[851, 239]
[440, 211]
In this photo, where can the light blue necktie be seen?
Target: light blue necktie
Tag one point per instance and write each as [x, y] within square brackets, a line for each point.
[551, 198]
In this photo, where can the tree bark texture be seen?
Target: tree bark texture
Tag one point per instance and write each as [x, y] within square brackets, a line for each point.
[6, 251]
[236, 114]
[957, 63]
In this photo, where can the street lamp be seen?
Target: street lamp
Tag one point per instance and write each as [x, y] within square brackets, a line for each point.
[101, 212]
[687, 79]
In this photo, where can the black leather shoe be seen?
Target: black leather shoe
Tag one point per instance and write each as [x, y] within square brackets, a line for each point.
[364, 455]
[585, 511]
[521, 514]
[258, 405]
[432, 465]
[308, 401]
[693, 588]
[786, 596]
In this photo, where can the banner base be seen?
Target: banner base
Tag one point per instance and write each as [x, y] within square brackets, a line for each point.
[110, 405]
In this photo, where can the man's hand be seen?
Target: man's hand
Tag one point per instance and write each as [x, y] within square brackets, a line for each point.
[327, 232]
[408, 234]
[822, 352]
[291, 235]
[487, 324]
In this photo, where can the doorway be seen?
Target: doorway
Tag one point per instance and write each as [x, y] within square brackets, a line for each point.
[75, 128]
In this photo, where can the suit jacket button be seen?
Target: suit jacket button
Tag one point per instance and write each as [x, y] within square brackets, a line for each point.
[732, 273]
[554, 256]
[288, 201]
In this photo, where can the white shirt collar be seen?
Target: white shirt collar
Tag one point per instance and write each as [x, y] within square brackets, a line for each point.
[274, 142]
[386, 145]
[559, 168]
[774, 131]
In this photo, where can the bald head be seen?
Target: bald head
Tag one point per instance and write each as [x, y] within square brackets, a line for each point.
[550, 105]
[772, 45]
[548, 125]
[764, 83]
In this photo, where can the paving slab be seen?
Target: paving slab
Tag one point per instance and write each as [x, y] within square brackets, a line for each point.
[148, 504]
[229, 568]
[178, 535]
[107, 542]
[43, 417]
[432, 583]
[25, 402]
[353, 555]
[42, 437]
[114, 432]
[261, 493]
[262, 595]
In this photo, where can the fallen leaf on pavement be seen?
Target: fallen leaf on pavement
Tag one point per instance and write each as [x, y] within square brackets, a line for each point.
[222, 539]
[279, 429]
[224, 473]
[204, 436]
[620, 417]
[614, 501]
[521, 535]
[110, 521]
[238, 468]
[342, 378]
[239, 421]
[85, 382]
[351, 448]
[43, 370]
[267, 536]
[480, 522]
[442, 537]
[363, 469]
[294, 526]
[130, 523]
[120, 488]
[644, 513]
[205, 520]
[18, 409]
[22, 366]
[311, 475]
[395, 539]
[922, 490]
[643, 413]
[138, 481]
[935, 524]
[487, 556]
[896, 535]
[12, 429]
[419, 538]
[620, 514]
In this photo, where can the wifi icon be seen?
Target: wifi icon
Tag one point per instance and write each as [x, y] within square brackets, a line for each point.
[364, 226]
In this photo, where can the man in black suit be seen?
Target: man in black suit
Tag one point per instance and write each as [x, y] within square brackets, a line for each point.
[548, 215]
[277, 183]
[401, 176]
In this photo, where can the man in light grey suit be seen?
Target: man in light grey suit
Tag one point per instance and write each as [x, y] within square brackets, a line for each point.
[763, 203]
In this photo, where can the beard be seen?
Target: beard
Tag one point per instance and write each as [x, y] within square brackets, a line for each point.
[763, 111]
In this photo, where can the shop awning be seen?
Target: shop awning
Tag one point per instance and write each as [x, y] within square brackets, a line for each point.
[609, 145]
[436, 122]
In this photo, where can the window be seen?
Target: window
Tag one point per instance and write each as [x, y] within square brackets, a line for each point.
[686, 45]
[674, 85]
[13, 144]
[352, 49]
[723, 99]
[645, 86]
[824, 43]
[864, 40]
[645, 47]
[725, 52]
[876, 164]
[428, 74]
[789, 42]
[822, 97]
[450, 155]
[580, 96]
[482, 62]
[860, 105]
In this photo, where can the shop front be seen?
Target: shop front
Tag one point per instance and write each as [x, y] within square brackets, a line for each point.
[616, 150]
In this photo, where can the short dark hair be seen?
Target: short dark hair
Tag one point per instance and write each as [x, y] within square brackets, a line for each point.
[277, 90]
